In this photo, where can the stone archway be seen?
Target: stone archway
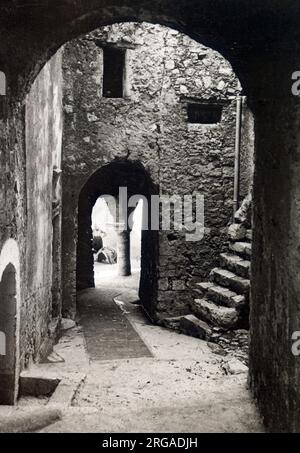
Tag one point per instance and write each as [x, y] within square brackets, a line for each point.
[9, 323]
[107, 181]
[261, 40]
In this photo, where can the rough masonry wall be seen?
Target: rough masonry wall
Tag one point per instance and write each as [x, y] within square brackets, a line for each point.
[262, 41]
[43, 118]
[164, 69]
[12, 189]
[26, 198]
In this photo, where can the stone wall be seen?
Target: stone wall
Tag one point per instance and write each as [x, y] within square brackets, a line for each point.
[28, 139]
[12, 195]
[262, 42]
[43, 135]
[164, 70]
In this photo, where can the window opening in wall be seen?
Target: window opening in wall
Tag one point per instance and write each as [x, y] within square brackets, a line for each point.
[204, 113]
[113, 72]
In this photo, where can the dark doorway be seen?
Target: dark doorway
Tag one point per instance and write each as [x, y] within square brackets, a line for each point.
[107, 181]
[8, 336]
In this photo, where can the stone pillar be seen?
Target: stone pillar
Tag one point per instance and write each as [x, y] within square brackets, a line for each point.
[123, 252]
[123, 230]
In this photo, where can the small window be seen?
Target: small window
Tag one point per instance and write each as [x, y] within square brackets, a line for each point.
[204, 113]
[113, 72]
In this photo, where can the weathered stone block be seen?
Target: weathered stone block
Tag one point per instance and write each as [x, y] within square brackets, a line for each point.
[163, 284]
[191, 325]
[242, 248]
[178, 285]
[235, 366]
[230, 280]
[236, 232]
[217, 315]
[67, 324]
[171, 323]
[224, 296]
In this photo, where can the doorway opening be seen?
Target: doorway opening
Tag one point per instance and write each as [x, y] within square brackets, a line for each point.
[117, 254]
[113, 250]
[8, 327]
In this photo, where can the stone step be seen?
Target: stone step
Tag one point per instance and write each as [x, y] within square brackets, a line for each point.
[193, 326]
[230, 280]
[216, 315]
[249, 235]
[225, 297]
[235, 264]
[220, 295]
[203, 287]
[241, 248]
[236, 232]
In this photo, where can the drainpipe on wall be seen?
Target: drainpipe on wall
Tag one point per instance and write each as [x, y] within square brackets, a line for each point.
[236, 190]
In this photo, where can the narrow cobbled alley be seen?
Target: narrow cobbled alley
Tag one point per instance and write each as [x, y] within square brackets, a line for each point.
[120, 373]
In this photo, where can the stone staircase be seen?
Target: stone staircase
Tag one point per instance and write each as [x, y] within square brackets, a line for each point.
[223, 301]
[219, 313]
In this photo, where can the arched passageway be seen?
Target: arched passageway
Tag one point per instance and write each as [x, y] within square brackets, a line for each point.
[108, 181]
[261, 40]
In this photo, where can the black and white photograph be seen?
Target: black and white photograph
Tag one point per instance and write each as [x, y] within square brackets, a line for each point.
[149, 220]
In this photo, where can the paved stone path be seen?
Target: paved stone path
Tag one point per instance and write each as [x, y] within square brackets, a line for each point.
[182, 386]
[107, 331]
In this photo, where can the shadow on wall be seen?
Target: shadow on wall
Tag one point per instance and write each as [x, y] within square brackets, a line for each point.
[9, 322]
[107, 181]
